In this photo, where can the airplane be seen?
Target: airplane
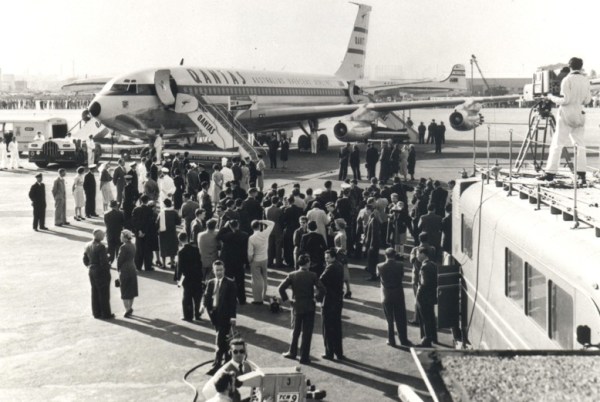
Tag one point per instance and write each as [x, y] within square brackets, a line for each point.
[223, 104]
[454, 84]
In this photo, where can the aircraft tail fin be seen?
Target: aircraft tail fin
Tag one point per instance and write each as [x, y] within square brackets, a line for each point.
[457, 78]
[353, 65]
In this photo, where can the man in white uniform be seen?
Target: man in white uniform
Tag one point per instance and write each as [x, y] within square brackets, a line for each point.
[90, 151]
[13, 149]
[165, 185]
[570, 128]
[3, 154]
[258, 245]
[158, 147]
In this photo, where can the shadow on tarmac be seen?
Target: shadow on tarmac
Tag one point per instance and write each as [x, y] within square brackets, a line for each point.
[69, 236]
[170, 332]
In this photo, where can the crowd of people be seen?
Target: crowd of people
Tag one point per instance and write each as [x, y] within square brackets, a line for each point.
[15, 102]
[211, 229]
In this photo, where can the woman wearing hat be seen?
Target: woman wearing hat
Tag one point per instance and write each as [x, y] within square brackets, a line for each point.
[168, 219]
[78, 194]
[105, 189]
[340, 242]
[217, 182]
[127, 272]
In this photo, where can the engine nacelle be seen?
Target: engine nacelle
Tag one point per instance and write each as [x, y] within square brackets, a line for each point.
[353, 131]
[465, 119]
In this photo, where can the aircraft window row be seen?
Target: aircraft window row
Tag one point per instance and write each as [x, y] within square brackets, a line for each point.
[549, 305]
[146, 89]
[466, 240]
[271, 91]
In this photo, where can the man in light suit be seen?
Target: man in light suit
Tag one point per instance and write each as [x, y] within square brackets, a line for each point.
[391, 273]
[60, 199]
[221, 304]
[303, 283]
[119, 179]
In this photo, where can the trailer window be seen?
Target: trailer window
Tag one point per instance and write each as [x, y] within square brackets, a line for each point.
[59, 130]
[561, 316]
[514, 277]
[536, 295]
[466, 239]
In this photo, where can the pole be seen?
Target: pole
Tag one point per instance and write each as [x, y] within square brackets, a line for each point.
[510, 139]
[474, 152]
[488, 154]
[575, 219]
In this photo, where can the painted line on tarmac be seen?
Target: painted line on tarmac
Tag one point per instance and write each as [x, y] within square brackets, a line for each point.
[316, 175]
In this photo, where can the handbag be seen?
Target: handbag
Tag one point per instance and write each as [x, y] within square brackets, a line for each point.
[117, 283]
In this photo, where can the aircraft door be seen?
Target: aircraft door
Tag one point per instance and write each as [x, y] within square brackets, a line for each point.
[162, 83]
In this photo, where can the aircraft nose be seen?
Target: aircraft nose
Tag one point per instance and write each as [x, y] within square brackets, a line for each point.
[95, 109]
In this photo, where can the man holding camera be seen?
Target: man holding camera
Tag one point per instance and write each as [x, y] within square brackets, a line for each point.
[575, 93]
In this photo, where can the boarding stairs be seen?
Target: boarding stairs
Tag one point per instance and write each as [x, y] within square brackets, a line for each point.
[221, 126]
[396, 121]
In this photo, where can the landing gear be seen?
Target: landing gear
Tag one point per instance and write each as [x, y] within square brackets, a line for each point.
[322, 143]
[41, 164]
[304, 142]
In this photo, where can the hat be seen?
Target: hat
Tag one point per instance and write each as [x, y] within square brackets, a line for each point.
[318, 191]
[330, 204]
[166, 154]
[164, 170]
[38, 175]
[193, 165]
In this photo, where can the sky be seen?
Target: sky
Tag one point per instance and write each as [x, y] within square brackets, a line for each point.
[407, 38]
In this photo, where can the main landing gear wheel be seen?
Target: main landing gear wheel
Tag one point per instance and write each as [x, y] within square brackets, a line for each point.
[41, 164]
[304, 143]
[322, 143]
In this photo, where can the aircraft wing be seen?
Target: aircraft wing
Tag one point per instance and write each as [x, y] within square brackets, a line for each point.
[301, 113]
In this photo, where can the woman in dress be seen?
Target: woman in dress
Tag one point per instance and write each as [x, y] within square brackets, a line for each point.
[105, 189]
[285, 149]
[152, 234]
[404, 162]
[127, 272]
[78, 194]
[395, 160]
[179, 182]
[167, 221]
[217, 183]
[245, 182]
[340, 242]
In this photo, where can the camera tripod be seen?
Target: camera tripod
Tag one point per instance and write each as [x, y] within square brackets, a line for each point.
[542, 126]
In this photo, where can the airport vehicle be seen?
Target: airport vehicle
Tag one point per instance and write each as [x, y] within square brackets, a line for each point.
[527, 277]
[226, 104]
[25, 129]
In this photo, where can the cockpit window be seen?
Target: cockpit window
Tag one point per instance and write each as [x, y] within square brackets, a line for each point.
[128, 87]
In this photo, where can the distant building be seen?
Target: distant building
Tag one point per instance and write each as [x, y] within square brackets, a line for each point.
[20, 86]
[510, 85]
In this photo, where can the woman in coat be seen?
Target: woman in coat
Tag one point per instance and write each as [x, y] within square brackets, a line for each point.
[167, 221]
[79, 194]
[412, 161]
[127, 272]
[404, 162]
[105, 189]
[217, 183]
[179, 182]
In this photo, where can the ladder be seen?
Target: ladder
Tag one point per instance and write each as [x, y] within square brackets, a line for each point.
[228, 121]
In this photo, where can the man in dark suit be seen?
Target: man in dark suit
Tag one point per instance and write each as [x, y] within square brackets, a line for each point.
[314, 245]
[89, 187]
[391, 273]
[220, 303]
[303, 284]
[431, 223]
[251, 210]
[422, 129]
[372, 242]
[96, 259]
[142, 220]
[327, 195]
[385, 162]
[371, 158]
[431, 130]
[234, 255]
[189, 266]
[438, 198]
[333, 280]
[119, 179]
[37, 195]
[114, 221]
[289, 223]
[130, 195]
[274, 214]
[427, 298]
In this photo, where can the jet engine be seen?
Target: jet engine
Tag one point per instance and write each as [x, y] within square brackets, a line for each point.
[352, 131]
[466, 119]
[362, 131]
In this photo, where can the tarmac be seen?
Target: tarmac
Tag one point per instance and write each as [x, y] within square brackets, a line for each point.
[52, 349]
